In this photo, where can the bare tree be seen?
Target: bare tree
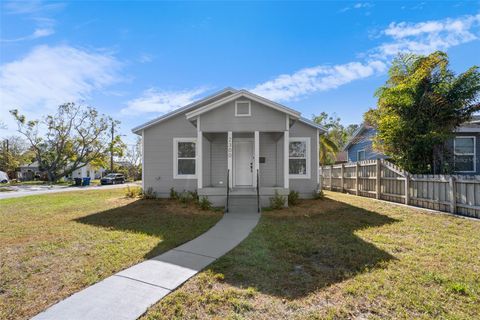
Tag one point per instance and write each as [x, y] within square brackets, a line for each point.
[133, 158]
[70, 139]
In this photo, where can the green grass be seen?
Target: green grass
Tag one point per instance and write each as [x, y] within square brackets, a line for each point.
[340, 258]
[54, 245]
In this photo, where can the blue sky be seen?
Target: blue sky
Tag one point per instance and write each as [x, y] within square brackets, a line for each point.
[137, 60]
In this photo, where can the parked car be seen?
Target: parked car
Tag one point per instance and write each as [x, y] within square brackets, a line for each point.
[113, 178]
[3, 177]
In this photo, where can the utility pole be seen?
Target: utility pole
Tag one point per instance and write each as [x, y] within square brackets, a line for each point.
[111, 146]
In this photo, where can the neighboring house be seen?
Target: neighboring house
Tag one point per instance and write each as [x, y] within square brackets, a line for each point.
[229, 137]
[87, 171]
[462, 151]
[359, 147]
[30, 171]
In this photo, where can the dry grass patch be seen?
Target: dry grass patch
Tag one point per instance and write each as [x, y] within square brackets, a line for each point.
[344, 257]
[54, 245]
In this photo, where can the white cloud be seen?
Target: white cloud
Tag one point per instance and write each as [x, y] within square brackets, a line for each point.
[421, 38]
[34, 10]
[320, 78]
[158, 101]
[38, 33]
[429, 36]
[358, 5]
[48, 76]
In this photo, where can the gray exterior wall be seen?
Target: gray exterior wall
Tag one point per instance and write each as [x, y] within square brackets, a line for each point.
[223, 119]
[306, 187]
[158, 155]
[269, 170]
[158, 146]
[218, 164]
[449, 152]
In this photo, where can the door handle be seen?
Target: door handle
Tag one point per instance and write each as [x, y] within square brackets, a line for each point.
[251, 166]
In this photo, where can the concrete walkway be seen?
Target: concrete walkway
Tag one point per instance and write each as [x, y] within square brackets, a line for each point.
[128, 294]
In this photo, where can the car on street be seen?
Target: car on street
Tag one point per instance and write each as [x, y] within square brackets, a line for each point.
[113, 178]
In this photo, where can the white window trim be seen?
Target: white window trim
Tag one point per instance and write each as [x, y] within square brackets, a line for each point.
[308, 159]
[364, 154]
[175, 158]
[474, 154]
[249, 114]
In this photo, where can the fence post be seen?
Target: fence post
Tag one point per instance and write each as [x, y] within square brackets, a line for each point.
[331, 171]
[453, 192]
[341, 179]
[378, 178]
[407, 188]
[357, 171]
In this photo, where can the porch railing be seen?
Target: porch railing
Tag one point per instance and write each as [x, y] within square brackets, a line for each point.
[258, 193]
[228, 189]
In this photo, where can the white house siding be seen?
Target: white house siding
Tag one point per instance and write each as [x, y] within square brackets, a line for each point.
[158, 156]
[306, 187]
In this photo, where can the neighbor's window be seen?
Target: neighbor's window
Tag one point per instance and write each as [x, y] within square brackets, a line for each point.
[361, 155]
[299, 154]
[185, 157]
[242, 109]
[464, 154]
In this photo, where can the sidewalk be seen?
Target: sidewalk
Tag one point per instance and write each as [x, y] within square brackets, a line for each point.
[129, 293]
[55, 189]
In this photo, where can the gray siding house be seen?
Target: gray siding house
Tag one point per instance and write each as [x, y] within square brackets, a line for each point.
[461, 152]
[232, 138]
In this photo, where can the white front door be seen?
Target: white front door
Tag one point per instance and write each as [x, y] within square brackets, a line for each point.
[243, 163]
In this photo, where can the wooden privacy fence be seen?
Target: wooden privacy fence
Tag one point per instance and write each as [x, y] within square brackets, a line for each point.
[383, 180]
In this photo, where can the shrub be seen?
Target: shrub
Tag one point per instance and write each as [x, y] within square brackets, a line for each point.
[133, 192]
[149, 194]
[194, 196]
[293, 198]
[277, 201]
[173, 194]
[185, 198]
[318, 195]
[204, 203]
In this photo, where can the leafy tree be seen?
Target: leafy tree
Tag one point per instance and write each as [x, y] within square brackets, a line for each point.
[13, 152]
[334, 139]
[70, 139]
[419, 108]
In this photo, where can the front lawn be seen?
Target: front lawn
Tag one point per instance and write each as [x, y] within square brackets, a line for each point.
[51, 246]
[343, 257]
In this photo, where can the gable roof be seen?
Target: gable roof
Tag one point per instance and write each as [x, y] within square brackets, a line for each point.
[245, 94]
[354, 138]
[186, 108]
[215, 100]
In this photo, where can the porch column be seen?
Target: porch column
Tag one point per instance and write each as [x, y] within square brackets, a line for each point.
[199, 161]
[256, 167]
[286, 140]
[229, 158]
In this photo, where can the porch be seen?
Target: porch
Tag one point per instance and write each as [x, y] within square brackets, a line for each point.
[242, 161]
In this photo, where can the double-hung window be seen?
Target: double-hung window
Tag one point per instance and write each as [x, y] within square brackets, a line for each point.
[464, 154]
[360, 155]
[184, 158]
[299, 158]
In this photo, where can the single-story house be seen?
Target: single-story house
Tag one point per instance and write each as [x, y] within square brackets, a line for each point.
[30, 171]
[360, 145]
[87, 171]
[232, 138]
[461, 150]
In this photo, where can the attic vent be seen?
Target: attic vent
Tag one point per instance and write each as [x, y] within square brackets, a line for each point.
[242, 109]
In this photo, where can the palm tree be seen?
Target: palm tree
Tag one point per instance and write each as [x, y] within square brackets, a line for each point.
[328, 149]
